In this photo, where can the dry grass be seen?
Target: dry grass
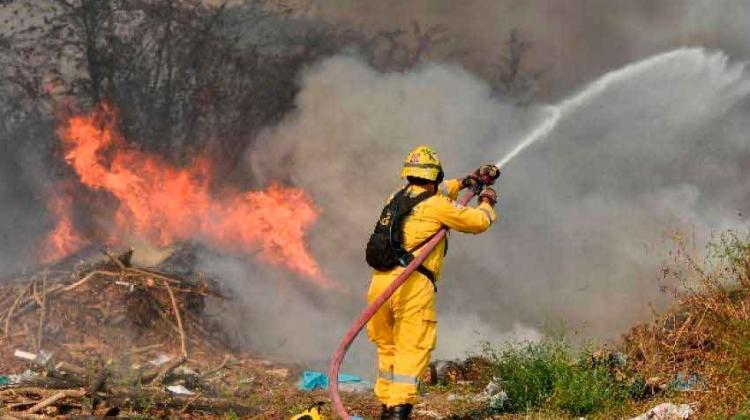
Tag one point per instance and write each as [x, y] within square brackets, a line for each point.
[707, 332]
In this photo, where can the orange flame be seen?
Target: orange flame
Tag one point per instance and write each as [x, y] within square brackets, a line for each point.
[164, 204]
[63, 239]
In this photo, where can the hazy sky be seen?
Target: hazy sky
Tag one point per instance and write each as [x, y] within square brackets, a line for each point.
[574, 40]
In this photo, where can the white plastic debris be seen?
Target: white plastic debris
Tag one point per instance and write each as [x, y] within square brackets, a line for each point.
[498, 400]
[179, 390]
[24, 355]
[667, 411]
[355, 387]
[27, 375]
[41, 359]
[491, 389]
[493, 394]
[128, 285]
[160, 360]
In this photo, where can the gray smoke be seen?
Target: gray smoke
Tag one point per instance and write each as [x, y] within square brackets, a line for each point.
[573, 41]
[586, 216]
[24, 189]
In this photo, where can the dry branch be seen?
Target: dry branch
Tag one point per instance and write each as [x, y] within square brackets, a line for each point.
[26, 416]
[67, 393]
[217, 368]
[115, 260]
[43, 310]
[9, 317]
[146, 348]
[86, 278]
[183, 343]
[99, 379]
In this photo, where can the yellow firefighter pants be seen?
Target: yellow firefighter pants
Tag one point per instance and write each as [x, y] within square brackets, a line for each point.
[404, 331]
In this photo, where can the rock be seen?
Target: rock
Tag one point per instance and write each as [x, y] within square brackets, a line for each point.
[497, 401]
[667, 411]
[493, 394]
[683, 382]
[493, 387]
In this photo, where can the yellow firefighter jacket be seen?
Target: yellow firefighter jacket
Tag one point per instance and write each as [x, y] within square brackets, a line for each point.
[435, 212]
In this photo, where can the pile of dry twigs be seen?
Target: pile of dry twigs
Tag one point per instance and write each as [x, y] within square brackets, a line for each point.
[83, 338]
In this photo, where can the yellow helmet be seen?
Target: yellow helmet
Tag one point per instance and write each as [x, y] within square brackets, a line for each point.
[423, 162]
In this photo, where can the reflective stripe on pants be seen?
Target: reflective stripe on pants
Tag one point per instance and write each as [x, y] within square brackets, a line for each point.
[404, 331]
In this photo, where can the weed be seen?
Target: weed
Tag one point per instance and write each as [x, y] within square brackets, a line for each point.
[528, 371]
[583, 390]
[552, 373]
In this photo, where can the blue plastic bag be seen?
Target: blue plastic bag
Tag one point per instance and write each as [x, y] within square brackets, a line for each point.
[312, 380]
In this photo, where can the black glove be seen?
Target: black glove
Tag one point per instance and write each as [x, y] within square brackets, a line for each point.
[489, 196]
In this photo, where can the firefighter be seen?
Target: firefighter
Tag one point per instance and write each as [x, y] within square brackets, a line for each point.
[404, 329]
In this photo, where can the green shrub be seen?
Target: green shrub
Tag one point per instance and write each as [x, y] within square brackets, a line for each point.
[583, 390]
[528, 371]
[552, 373]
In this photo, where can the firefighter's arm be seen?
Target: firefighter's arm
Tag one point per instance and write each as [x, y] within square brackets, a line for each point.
[462, 218]
[450, 188]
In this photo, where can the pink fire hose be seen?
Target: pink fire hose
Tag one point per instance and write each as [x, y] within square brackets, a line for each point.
[364, 317]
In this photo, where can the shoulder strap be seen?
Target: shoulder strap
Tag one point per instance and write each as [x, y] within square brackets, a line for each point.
[429, 274]
[399, 212]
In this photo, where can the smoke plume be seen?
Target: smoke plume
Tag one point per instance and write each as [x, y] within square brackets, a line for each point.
[586, 216]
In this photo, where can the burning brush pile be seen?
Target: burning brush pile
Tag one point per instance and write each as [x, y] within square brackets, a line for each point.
[94, 333]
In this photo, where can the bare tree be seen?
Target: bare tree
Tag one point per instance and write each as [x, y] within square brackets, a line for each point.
[512, 75]
[188, 76]
[401, 50]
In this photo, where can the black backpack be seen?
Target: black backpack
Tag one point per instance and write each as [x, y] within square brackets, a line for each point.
[385, 248]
